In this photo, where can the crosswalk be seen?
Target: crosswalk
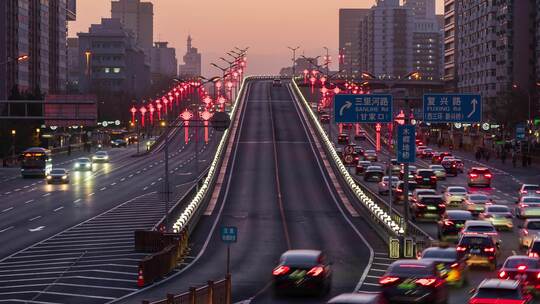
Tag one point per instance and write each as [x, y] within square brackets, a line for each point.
[378, 268]
[93, 262]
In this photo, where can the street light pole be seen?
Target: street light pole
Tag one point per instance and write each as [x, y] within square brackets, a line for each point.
[406, 177]
[293, 59]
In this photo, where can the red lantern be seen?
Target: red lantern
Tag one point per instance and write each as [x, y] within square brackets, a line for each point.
[142, 110]
[206, 116]
[186, 117]
[133, 110]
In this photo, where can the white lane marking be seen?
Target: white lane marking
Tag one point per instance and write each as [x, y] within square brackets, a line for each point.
[6, 229]
[159, 178]
[26, 186]
[91, 194]
[122, 179]
[153, 183]
[113, 184]
[29, 201]
[61, 294]
[145, 188]
[36, 229]
[138, 172]
[77, 200]
[17, 190]
[34, 218]
[104, 188]
[9, 192]
[46, 194]
[131, 175]
[7, 209]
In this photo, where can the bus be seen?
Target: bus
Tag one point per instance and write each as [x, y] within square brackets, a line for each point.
[36, 162]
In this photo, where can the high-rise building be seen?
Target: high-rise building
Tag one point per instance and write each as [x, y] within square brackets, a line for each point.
[192, 61]
[386, 40]
[36, 29]
[111, 61]
[349, 39]
[538, 44]
[450, 44]
[138, 17]
[73, 63]
[164, 63]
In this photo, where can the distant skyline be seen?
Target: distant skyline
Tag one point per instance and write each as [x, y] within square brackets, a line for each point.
[267, 27]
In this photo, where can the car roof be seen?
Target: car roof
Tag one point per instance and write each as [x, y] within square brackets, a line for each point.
[479, 168]
[497, 206]
[431, 196]
[478, 223]
[58, 169]
[532, 220]
[354, 298]
[424, 170]
[521, 257]
[83, 158]
[308, 254]
[412, 262]
[462, 213]
[438, 248]
[499, 284]
[533, 185]
[456, 187]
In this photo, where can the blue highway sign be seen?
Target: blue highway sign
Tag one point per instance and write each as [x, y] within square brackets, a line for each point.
[406, 144]
[229, 234]
[520, 131]
[451, 108]
[365, 108]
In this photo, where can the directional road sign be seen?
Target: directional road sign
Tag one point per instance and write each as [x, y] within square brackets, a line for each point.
[229, 234]
[365, 108]
[406, 144]
[520, 131]
[450, 108]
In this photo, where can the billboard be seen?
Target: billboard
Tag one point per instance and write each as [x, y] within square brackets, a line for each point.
[70, 110]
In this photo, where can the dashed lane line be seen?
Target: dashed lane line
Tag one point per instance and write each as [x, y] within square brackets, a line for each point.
[7, 209]
[6, 229]
[29, 201]
[34, 218]
[77, 200]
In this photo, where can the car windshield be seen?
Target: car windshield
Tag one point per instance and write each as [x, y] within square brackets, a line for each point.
[425, 192]
[425, 173]
[457, 191]
[58, 171]
[471, 241]
[370, 152]
[480, 228]
[299, 260]
[394, 179]
[410, 270]
[478, 198]
[431, 200]
[439, 254]
[530, 263]
[498, 293]
[437, 168]
[83, 160]
[498, 209]
[374, 168]
[101, 153]
[533, 225]
[459, 215]
[531, 187]
[531, 200]
[480, 171]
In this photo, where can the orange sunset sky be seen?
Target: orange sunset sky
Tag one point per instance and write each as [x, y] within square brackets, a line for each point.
[267, 27]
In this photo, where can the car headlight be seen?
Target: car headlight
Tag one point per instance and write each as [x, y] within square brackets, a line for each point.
[94, 157]
[49, 177]
[77, 165]
[64, 177]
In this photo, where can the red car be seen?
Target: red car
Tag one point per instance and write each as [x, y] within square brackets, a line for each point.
[522, 268]
[494, 291]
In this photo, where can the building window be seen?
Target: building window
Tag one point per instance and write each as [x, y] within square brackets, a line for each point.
[116, 70]
[107, 70]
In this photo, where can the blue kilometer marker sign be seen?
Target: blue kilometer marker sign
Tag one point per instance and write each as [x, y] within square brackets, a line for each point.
[452, 108]
[364, 108]
[229, 234]
[406, 144]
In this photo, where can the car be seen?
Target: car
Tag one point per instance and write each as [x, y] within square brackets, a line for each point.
[325, 118]
[439, 171]
[100, 156]
[373, 173]
[499, 215]
[416, 193]
[382, 186]
[459, 164]
[426, 178]
[476, 227]
[361, 166]
[528, 190]
[419, 149]
[413, 281]
[394, 168]
[479, 176]
[276, 82]
[426, 153]
[412, 172]
[361, 135]
[438, 157]
[343, 139]
[117, 143]
[454, 195]
[58, 175]
[528, 207]
[452, 265]
[82, 164]
[427, 207]
[450, 166]
[339, 152]
[399, 196]
[534, 248]
[528, 232]
[496, 291]
[522, 268]
[303, 270]
[358, 298]
[479, 250]
[370, 155]
[358, 151]
[475, 202]
[451, 223]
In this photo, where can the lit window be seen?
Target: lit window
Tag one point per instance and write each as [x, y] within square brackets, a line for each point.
[107, 70]
[116, 70]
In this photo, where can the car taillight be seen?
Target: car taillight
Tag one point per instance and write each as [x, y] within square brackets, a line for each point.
[522, 205]
[448, 223]
[487, 175]
[442, 205]
[387, 280]
[533, 255]
[538, 191]
[522, 267]
[315, 271]
[473, 175]
[525, 232]
[524, 191]
[399, 190]
[433, 177]
[538, 276]
[461, 248]
[420, 205]
[426, 281]
[418, 176]
[281, 270]
[455, 265]
[502, 274]
[489, 249]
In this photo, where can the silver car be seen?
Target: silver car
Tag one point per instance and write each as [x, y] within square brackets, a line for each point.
[454, 195]
[529, 231]
[528, 207]
[58, 175]
[100, 156]
[439, 170]
[481, 227]
[528, 190]
[383, 184]
[499, 215]
[476, 202]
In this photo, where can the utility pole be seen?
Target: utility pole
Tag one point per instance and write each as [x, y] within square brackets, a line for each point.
[293, 59]
[406, 178]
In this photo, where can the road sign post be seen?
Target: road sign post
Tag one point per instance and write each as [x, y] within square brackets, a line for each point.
[229, 234]
[363, 108]
[406, 145]
[452, 108]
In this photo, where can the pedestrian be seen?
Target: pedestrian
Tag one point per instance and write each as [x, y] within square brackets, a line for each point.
[69, 149]
[487, 155]
[478, 154]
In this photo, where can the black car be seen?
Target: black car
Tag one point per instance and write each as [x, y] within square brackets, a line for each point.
[305, 271]
[451, 167]
[448, 262]
[413, 281]
[428, 207]
[325, 118]
[479, 250]
[373, 173]
[426, 178]
[451, 222]
[399, 195]
[361, 166]
[361, 135]
[521, 267]
[343, 139]
[117, 143]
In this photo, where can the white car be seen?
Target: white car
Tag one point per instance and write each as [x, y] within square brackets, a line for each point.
[528, 190]
[454, 195]
[439, 170]
[100, 156]
[499, 215]
[58, 175]
[383, 184]
[481, 227]
[528, 232]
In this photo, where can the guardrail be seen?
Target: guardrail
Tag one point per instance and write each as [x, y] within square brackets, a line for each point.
[212, 293]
